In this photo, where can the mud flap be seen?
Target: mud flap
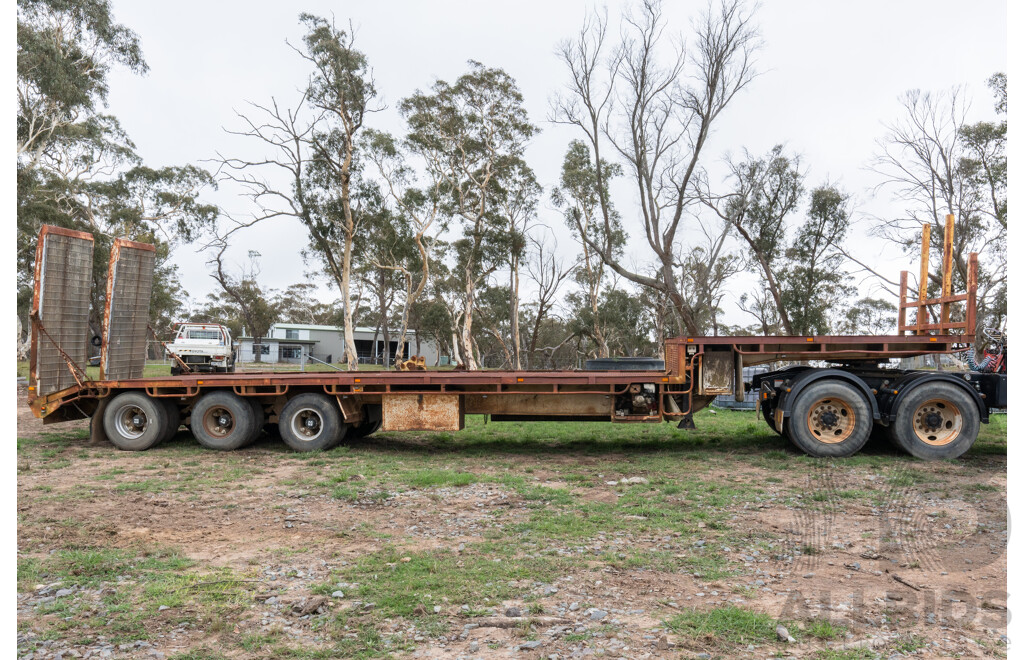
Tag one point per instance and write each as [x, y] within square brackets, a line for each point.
[97, 435]
[687, 423]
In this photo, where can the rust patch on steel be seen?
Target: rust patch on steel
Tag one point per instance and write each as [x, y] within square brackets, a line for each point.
[60, 309]
[539, 404]
[126, 310]
[351, 409]
[423, 412]
[716, 376]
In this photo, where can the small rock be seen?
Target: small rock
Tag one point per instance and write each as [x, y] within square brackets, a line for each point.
[63, 592]
[437, 609]
[309, 605]
[513, 612]
[663, 644]
[808, 576]
[783, 634]
[597, 615]
[573, 607]
[474, 647]
[162, 608]
[338, 594]
[530, 645]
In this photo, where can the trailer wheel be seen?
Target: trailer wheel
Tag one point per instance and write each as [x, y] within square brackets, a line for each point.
[311, 422]
[222, 420]
[259, 419]
[829, 418]
[936, 421]
[370, 426]
[134, 421]
[173, 419]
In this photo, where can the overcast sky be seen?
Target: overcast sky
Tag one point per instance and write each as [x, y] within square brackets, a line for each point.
[831, 76]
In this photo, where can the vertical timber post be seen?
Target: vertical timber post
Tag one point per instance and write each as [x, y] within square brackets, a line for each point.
[970, 315]
[922, 286]
[738, 394]
[903, 303]
[947, 269]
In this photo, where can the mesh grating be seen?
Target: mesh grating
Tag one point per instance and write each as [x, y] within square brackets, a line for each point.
[129, 285]
[64, 276]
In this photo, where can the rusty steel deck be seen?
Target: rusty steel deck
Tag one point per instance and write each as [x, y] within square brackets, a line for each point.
[830, 348]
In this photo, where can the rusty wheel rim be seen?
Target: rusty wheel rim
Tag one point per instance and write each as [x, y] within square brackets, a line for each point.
[307, 424]
[937, 422]
[219, 422]
[831, 420]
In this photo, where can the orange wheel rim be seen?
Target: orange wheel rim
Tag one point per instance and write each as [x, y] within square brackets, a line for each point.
[831, 420]
[937, 422]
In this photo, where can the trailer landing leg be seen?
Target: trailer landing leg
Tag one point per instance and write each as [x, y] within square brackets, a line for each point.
[687, 423]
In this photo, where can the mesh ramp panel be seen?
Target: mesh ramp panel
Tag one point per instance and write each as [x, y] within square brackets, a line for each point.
[61, 303]
[126, 310]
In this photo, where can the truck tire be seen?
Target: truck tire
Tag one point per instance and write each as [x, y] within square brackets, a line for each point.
[936, 421]
[134, 421]
[259, 419]
[173, 419]
[829, 418]
[311, 422]
[222, 420]
[369, 427]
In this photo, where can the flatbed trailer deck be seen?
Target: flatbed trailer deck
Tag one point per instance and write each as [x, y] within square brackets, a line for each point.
[829, 397]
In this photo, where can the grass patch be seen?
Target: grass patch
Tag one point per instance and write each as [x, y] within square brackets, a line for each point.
[730, 625]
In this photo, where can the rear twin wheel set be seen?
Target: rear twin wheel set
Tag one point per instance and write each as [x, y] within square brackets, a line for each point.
[833, 418]
[225, 421]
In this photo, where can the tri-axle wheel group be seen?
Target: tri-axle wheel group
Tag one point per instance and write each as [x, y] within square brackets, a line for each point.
[834, 418]
[224, 420]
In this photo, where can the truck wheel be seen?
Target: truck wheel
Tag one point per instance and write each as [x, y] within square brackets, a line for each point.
[936, 421]
[134, 421]
[222, 420]
[830, 418]
[311, 422]
[173, 419]
[369, 427]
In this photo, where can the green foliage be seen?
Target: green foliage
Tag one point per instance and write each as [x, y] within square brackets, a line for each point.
[803, 275]
[77, 168]
[869, 316]
[729, 624]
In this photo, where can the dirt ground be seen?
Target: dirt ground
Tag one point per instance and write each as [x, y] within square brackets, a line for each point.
[414, 546]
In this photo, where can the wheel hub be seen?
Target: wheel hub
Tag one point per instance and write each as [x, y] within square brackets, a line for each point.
[307, 424]
[937, 422]
[831, 420]
[131, 422]
[932, 421]
[219, 422]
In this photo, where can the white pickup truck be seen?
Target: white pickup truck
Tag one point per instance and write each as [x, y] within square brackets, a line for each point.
[203, 347]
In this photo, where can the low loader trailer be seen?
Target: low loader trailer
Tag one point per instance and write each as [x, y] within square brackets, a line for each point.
[834, 392]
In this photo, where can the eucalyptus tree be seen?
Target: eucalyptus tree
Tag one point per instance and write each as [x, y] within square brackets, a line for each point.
[472, 135]
[578, 195]
[65, 53]
[650, 103]
[77, 167]
[418, 219]
[800, 263]
[936, 163]
[245, 297]
[316, 146]
[548, 272]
